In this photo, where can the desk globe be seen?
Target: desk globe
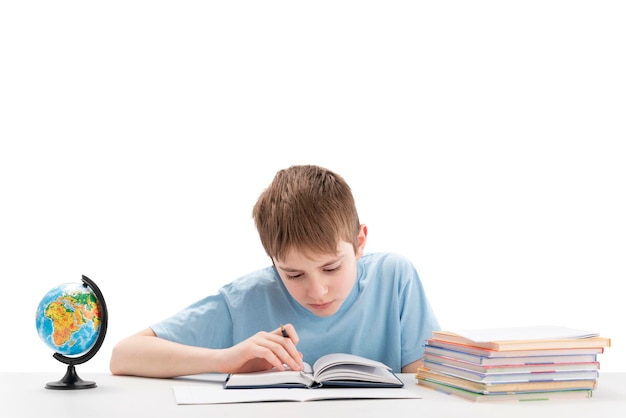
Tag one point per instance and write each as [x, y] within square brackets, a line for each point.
[72, 320]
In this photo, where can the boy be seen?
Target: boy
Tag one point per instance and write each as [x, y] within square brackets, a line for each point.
[331, 296]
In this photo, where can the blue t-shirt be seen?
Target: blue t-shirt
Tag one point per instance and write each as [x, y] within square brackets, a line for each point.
[386, 317]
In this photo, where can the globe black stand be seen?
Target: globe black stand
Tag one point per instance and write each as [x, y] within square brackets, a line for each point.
[71, 379]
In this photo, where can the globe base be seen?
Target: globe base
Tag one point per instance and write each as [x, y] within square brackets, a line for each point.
[71, 381]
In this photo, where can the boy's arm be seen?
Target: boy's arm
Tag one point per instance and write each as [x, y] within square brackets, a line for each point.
[145, 354]
[412, 367]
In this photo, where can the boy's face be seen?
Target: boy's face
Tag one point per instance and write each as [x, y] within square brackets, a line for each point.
[321, 282]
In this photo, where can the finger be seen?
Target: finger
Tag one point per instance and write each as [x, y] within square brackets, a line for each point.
[266, 355]
[282, 347]
[289, 331]
[274, 350]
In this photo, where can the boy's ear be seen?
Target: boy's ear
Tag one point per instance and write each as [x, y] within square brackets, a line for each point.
[361, 239]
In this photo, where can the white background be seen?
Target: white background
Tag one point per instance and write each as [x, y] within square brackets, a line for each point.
[484, 140]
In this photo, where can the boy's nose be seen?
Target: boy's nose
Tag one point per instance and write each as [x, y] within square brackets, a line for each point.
[317, 289]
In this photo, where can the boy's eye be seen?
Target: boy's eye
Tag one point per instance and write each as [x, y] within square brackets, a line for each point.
[294, 276]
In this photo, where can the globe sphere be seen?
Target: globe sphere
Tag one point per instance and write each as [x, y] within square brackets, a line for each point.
[69, 319]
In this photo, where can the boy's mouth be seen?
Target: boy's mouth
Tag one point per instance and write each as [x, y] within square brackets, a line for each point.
[321, 306]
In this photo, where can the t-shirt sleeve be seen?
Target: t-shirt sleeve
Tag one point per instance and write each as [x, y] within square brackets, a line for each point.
[206, 323]
[417, 318]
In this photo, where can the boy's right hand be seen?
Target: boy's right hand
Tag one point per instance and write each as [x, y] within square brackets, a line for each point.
[263, 351]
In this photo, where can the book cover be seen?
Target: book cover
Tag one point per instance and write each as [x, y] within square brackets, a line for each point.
[505, 387]
[487, 357]
[489, 353]
[331, 370]
[530, 337]
[430, 359]
[513, 377]
[511, 396]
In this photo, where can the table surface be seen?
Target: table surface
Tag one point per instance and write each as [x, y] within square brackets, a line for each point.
[25, 395]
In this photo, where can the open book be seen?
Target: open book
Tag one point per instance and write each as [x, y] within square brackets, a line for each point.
[336, 370]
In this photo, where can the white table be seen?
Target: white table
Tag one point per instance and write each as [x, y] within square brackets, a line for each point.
[24, 395]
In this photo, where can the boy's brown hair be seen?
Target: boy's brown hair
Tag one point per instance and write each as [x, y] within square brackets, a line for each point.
[307, 208]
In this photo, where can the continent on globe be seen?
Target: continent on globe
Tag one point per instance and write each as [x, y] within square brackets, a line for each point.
[71, 312]
[69, 318]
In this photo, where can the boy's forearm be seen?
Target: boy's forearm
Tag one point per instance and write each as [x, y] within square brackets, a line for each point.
[412, 367]
[148, 356]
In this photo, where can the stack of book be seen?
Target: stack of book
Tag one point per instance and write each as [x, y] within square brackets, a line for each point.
[518, 363]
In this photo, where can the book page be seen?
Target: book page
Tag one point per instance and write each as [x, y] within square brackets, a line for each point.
[541, 332]
[358, 373]
[271, 377]
[331, 360]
